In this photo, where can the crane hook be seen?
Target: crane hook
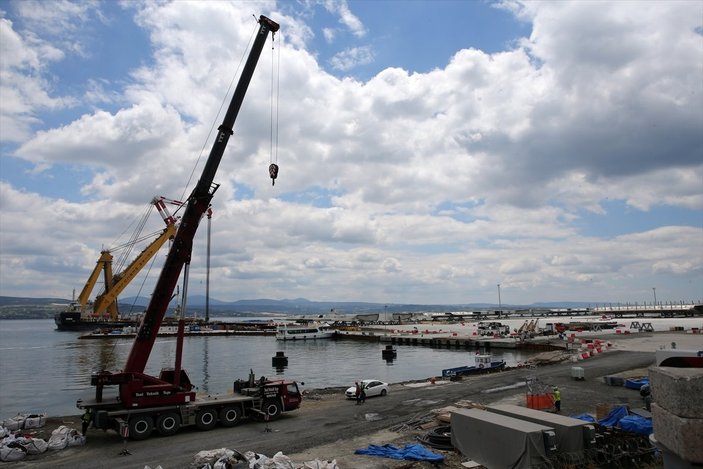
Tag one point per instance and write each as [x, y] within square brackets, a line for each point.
[273, 172]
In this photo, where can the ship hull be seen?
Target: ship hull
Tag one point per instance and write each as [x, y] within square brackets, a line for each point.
[72, 321]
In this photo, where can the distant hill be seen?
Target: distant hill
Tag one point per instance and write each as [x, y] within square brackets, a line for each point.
[25, 308]
[30, 308]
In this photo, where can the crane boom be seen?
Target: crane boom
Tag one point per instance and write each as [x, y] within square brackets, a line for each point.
[167, 402]
[197, 205]
[121, 280]
[105, 258]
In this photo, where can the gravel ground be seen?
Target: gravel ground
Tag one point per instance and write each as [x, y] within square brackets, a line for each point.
[329, 427]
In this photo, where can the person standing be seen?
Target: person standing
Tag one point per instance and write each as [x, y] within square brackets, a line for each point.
[557, 399]
[357, 393]
[362, 395]
[85, 418]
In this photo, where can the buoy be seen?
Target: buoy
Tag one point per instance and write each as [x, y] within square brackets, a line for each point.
[389, 353]
[280, 360]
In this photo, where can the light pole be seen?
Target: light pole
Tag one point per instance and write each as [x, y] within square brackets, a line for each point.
[385, 318]
[654, 290]
[500, 307]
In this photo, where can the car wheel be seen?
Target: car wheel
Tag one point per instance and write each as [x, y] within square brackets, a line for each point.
[168, 423]
[140, 427]
[383, 392]
[205, 419]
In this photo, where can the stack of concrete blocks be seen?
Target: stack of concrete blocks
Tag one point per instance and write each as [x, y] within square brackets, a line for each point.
[677, 415]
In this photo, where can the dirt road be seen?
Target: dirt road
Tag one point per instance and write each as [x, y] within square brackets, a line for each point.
[330, 427]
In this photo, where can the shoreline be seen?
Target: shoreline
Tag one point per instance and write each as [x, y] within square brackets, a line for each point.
[328, 426]
[639, 342]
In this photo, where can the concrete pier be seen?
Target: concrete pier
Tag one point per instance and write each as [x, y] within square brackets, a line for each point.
[452, 341]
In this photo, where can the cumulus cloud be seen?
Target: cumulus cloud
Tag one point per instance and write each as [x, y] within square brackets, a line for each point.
[346, 17]
[408, 187]
[23, 89]
[352, 57]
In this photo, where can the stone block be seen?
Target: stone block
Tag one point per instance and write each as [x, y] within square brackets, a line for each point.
[683, 436]
[678, 390]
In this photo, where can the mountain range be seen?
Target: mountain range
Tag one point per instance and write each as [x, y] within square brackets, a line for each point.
[14, 307]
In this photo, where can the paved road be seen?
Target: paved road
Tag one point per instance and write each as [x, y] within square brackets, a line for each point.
[332, 419]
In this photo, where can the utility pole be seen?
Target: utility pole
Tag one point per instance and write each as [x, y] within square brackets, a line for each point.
[654, 290]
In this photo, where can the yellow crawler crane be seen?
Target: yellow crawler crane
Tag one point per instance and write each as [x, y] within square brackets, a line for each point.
[84, 314]
[105, 304]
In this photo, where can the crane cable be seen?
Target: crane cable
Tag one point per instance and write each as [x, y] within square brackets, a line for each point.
[275, 72]
[217, 117]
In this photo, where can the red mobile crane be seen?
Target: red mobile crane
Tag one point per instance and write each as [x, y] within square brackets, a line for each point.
[169, 402]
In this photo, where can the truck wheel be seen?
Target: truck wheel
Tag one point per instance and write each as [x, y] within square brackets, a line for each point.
[230, 416]
[140, 427]
[206, 419]
[272, 408]
[168, 423]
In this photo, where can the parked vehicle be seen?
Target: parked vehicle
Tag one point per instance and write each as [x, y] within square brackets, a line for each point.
[483, 363]
[372, 387]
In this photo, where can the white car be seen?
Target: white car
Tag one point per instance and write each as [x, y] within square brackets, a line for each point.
[372, 387]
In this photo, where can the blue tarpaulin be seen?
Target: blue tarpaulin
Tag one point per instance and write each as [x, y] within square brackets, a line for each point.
[614, 416]
[411, 452]
[636, 424]
[585, 418]
[619, 417]
[636, 383]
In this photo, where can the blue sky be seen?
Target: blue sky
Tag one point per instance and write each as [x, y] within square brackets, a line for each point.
[428, 150]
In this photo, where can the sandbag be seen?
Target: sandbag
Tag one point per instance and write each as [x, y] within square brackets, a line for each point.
[14, 423]
[12, 453]
[35, 421]
[211, 456]
[59, 438]
[34, 445]
[76, 439]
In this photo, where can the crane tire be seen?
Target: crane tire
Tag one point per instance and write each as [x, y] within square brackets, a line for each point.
[272, 408]
[230, 416]
[168, 423]
[140, 427]
[206, 419]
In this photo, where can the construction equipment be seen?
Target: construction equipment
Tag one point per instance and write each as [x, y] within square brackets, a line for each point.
[168, 402]
[83, 313]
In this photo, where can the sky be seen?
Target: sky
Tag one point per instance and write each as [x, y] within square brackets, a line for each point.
[429, 151]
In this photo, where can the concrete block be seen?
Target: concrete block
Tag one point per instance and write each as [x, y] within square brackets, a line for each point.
[678, 390]
[683, 436]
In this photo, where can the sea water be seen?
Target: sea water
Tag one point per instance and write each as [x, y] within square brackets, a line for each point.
[44, 370]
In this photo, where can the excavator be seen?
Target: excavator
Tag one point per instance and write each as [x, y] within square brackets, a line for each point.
[103, 311]
[168, 402]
